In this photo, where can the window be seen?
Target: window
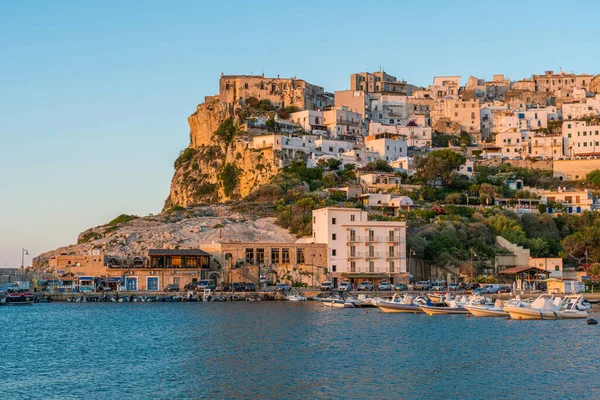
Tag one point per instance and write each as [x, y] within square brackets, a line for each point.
[392, 266]
[334, 252]
[249, 256]
[152, 283]
[227, 86]
[556, 268]
[371, 235]
[352, 266]
[334, 236]
[371, 266]
[333, 221]
[314, 220]
[569, 126]
[260, 256]
[352, 217]
[285, 256]
[176, 281]
[333, 268]
[456, 114]
[352, 251]
[245, 86]
[274, 256]
[392, 251]
[371, 251]
[300, 256]
[391, 236]
[352, 235]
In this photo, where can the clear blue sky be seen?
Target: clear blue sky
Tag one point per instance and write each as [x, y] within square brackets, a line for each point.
[94, 95]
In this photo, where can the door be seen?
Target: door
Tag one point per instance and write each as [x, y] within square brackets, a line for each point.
[131, 284]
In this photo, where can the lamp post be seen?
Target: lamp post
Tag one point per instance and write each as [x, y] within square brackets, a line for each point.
[23, 253]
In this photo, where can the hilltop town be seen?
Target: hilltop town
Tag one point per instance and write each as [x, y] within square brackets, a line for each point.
[379, 182]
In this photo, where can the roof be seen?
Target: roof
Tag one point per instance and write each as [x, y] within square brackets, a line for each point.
[180, 252]
[518, 270]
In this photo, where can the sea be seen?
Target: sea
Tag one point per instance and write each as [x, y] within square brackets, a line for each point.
[283, 350]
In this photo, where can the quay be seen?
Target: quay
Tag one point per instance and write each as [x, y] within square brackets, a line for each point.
[262, 294]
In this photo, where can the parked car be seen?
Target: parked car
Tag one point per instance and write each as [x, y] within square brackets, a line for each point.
[248, 287]
[206, 284]
[400, 286]
[504, 289]
[236, 286]
[283, 287]
[366, 285]
[326, 286]
[172, 288]
[345, 287]
[453, 286]
[421, 285]
[384, 285]
[191, 286]
[438, 286]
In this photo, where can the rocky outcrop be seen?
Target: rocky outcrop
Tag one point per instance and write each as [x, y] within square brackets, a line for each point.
[220, 172]
[193, 228]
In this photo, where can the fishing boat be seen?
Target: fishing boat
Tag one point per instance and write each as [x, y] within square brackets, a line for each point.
[486, 310]
[548, 307]
[16, 298]
[400, 304]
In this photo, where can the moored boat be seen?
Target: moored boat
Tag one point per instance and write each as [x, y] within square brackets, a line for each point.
[400, 304]
[545, 307]
[443, 308]
[16, 298]
[486, 310]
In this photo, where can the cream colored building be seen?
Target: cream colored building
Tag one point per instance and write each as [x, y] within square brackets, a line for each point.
[445, 87]
[310, 121]
[360, 249]
[562, 82]
[552, 265]
[546, 146]
[389, 146]
[464, 113]
[513, 144]
[573, 201]
[416, 135]
[578, 109]
[580, 139]
[343, 123]
[568, 170]
[355, 100]
[379, 82]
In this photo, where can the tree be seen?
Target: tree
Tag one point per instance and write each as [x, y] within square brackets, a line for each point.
[438, 165]
[379, 165]
[270, 124]
[226, 130]
[593, 177]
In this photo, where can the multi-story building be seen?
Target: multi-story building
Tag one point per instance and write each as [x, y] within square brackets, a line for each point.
[579, 109]
[310, 121]
[379, 82]
[513, 143]
[281, 92]
[553, 265]
[503, 121]
[416, 135]
[464, 113]
[359, 157]
[332, 147]
[354, 100]
[390, 146]
[546, 146]
[344, 124]
[536, 118]
[360, 249]
[445, 87]
[569, 201]
[562, 82]
[580, 139]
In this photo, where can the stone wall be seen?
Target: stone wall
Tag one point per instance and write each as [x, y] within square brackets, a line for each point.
[569, 170]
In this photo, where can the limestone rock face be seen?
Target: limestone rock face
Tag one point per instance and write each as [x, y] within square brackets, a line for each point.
[217, 173]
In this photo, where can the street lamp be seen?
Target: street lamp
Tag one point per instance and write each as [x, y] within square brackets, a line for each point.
[23, 254]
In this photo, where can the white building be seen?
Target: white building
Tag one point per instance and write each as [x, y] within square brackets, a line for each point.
[578, 109]
[359, 158]
[310, 121]
[580, 139]
[416, 135]
[389, 146]
[344, 124]
[360, 249]
[333, 147]
[572, 201]
[552, 265]
[513, 144]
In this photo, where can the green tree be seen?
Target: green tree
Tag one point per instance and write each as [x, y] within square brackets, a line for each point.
[593, 177]
[379, 165]
[226, 131]
[438, 165]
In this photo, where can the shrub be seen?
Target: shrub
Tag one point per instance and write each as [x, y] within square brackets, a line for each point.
[121, 219]
[229, 179]
[184, 156]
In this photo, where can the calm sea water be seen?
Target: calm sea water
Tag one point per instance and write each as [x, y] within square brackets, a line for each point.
[287, 350]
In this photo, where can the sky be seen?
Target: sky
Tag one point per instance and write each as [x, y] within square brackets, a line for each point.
[95, 95]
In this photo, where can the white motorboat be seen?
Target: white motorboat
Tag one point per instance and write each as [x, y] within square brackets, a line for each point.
[295, 297]
[486, 310]
[548, 307]
[443, 308]
[400, 304]
[337, 301]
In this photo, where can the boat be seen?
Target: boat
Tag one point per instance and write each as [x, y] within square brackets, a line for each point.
[337, 301]
[16, 298]
[400, 304]
[295, 297]
[486, 310]
[548, 307]
[443, 308]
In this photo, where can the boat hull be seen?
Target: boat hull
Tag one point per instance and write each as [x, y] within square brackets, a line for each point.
[521, 313]
[481, 312]
[433, 310]
[390, 307]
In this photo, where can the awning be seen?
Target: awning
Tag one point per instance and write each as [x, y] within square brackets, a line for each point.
[518, 270]
[86, 278]
[110, 280]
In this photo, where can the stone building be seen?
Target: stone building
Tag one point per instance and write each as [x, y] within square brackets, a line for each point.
[562, 82]
[380, 82]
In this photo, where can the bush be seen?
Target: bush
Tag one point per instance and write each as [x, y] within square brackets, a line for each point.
[226, 131]
[184, 156]
[121, 219]
[229, 179]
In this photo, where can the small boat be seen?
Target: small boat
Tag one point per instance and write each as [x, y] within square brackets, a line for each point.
[548, 307]
[400, 304]
[486, 310]
[16, 298]
[295, 297]
[337, 301]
